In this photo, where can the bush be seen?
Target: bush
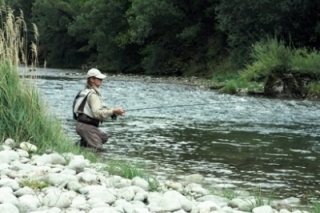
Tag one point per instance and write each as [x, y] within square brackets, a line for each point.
[273, 56]
[313, 89]
[267, 56]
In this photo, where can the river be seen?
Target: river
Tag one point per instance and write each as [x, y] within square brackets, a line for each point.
[233, 141]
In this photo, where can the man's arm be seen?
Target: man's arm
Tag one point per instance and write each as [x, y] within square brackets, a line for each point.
[99, 111]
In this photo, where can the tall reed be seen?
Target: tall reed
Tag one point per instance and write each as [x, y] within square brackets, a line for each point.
[24, 115]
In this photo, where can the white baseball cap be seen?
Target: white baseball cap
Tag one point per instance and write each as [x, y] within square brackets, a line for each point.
[95, 73]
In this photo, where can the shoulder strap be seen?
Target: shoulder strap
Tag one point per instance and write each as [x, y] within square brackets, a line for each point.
[75, 116]
[81, 107]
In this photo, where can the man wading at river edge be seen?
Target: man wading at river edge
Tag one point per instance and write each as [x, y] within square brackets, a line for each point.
[90, 110]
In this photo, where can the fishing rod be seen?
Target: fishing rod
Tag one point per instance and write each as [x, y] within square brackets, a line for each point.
[181, 105]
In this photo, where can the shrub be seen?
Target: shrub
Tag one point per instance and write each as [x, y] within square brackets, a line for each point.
[267, 55]
[313, 89]
[273, 56]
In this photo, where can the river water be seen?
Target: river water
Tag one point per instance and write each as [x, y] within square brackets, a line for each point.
[233, 141]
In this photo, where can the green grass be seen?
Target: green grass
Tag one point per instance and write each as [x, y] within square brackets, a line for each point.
[315, 207]
[234, 85]
[260, 199]
[224, 77]
[34, 184]
[124, 169]
[313, 89]
[227, 193]
[128, 170]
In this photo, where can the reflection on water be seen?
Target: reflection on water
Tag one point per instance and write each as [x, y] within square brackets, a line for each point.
[232, 141]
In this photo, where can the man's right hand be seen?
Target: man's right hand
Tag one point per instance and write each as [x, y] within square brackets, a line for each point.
[119, 111]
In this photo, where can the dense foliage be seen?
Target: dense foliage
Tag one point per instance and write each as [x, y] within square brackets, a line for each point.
[166, 36]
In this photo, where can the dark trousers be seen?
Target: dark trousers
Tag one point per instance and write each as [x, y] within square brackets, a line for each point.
[91, 135]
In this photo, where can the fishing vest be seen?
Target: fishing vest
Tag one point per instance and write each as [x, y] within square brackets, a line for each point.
[81, 110]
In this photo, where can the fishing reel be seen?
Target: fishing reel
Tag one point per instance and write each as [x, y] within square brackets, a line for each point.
[114, 116]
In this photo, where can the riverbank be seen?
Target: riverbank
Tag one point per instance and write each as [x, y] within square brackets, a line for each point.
[68, 183]
[191, 140]
[222, 83]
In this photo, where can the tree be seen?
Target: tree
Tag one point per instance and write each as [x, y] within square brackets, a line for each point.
[53, 18]
[247, 22]
[172, 33]
[100, 25]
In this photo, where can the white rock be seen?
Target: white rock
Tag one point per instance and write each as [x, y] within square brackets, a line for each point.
[128, 208]
[120, 183]
[57, 159]
[102, 194]
[170, 204]
[137, 204]
[174, 185]
[284, 211]
[263, 209]
[87, 178]
[22, 153]
[208, 206]
[185, 203]
[77, 165]
[74, 186]
[26, 146]
[59, 179]
[48, 210]
[96, 203]
[30, 199]
[154, 197]
[196, 188]
[140, 210]
[17, 166]
[60, 200]
[196, 178]
[14, 185]
[68, 171]
[4, 157]
[4, 166]
[8, 208]
[182, 211]
[42, 160]
[243, 203]
[291, 201]
[226, 209]
[6, 190]
[138, 181]
[28, 203]
[220, 201]
[140, 196]
[153, 207]
[10, 142]
[80, 202]
[103, 210]
[36, 172]
[126, 193]
[8, 198]
[7, 156]
[24, 191]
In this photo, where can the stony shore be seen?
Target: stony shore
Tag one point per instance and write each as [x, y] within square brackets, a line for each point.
[67, 183]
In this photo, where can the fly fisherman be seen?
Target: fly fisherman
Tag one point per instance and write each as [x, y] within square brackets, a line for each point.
[89, 110]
